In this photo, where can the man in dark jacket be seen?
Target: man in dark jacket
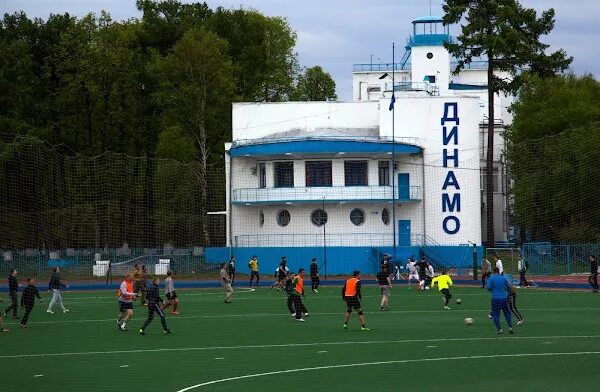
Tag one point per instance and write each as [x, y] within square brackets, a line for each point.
[28, 300]
[593, 279]
[314, 275]
[154, 301]
[231, 269]
[55, 286]
[13, 289]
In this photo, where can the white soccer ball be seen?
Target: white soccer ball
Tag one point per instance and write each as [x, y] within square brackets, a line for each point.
[459, 301]
[468, 321]
[426, 287]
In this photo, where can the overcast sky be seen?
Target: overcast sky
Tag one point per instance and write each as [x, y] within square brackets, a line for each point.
[337, 34]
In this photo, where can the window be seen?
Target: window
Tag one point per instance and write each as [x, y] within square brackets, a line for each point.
[429, 55]
[496, 180]
[355, 173]
[283, 218]
[261, 218]
[318, 173]
[357, 216]
[262, 175]
[284, 174]
[385, 216]
[318, 217]
[384, 173]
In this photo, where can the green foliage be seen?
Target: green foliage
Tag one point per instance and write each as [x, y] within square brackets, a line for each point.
[314, 84]
[508, 35]
[174, 144]
[554, 152]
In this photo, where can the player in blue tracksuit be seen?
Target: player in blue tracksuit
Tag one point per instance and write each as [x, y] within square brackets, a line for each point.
[500, 288]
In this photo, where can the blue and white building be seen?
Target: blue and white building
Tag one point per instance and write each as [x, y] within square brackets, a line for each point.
[348, 181]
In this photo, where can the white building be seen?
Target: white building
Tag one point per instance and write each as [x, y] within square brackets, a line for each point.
[425, 58]
[318, 176]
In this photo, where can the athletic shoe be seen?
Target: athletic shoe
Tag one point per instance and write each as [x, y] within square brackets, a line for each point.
[175, 313]
[227, 302]
[300, 319]
[23, 326]
[510, 331]
[520, 321]
[499, 331]
[364, 329]
[142, 332]
[447, 307]
[490, 316]
[316, 291]
[305, 314]
[66, 311]
[118, 324]
[49, 311]
[345, 326]
[167, 331]
[293, 314]
[122, 328]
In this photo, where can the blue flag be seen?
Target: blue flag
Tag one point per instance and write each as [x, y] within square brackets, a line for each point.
[392, 101]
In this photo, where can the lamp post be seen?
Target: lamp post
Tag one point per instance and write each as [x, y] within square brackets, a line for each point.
[393, 108]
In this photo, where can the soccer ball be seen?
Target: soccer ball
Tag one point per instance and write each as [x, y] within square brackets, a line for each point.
[426, 287]
[458, 301]
[468, 321]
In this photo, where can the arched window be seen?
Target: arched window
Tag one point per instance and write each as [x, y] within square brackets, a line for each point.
[283, 218]
[357, 216]
[318, 217]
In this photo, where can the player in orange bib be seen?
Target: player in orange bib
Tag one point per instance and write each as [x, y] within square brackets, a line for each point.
[296, 294]
[126, 297]
[352, 296]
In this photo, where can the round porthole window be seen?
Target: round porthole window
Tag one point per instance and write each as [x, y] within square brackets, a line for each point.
[318, 217]
[261, 218]
[429, 55]
[385, 216]
[357, 216]
[283, 218]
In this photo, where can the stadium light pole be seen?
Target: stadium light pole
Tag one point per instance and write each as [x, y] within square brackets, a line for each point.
[392, 172]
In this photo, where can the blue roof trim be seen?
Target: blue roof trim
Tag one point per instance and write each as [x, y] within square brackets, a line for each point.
[429, 40]
[428, 19]
[326, 201]
[464, 86]
[321, 147]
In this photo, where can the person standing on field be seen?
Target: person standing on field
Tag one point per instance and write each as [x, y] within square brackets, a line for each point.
[385, 284]
[226, 283]
[55, 285]
[13, 290]
[500, 288]
[486, 271]
[28, 300]
[314, 275]
[522, 267]
[253, 265]
[499, 264]
[593, 279]
[231, 269]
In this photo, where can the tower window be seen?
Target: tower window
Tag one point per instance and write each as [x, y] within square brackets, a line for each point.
[429, 55]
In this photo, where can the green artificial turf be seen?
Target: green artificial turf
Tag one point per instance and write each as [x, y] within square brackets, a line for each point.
[416, 345]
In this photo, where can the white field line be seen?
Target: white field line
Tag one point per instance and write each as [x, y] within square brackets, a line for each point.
[316, 344]
[285, 371]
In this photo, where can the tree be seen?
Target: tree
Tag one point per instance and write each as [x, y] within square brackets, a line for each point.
[552, 150]
[195, 88]
[508, 35]
[314, 84]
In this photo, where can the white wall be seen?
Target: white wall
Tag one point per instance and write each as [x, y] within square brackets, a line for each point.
[438, 65]
[423, 117]
[257, 120]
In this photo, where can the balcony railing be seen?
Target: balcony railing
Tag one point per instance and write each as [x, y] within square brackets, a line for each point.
[386, 67]
[318, 240]
[334, 194]
[414, 86]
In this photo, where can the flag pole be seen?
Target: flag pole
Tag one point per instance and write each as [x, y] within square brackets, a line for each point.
[394, 149]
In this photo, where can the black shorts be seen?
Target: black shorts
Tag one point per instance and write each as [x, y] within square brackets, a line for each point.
[352, 303]
[123, 306]
[171, 295]
[253, 273]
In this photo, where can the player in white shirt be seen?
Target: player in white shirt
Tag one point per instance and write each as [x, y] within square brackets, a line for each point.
[413, 274]
[430, 275]
[499, 264]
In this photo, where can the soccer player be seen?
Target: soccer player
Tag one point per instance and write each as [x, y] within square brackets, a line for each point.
[499, 264]
[422, 267]
[413, 274]
[352, 296]
[154, 301]
[512, 303]
[429, 275]
[170, 293]
[444, 283]
[55, 285]
[500, 287]
[231, 269]
[126, 297]
[593, 279]
[13, 289]
[2, 315]
[297, 293]
[385, 263]
[288, 289]
[522, 267]
[253, 265]
[385, 284]
[226, 283]
[314, 275]
[280, 274]
[486, 271]
[28, 300]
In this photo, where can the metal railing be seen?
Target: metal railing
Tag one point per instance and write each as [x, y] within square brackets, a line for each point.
[386, 67]
[413, 86]
[327, 194]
